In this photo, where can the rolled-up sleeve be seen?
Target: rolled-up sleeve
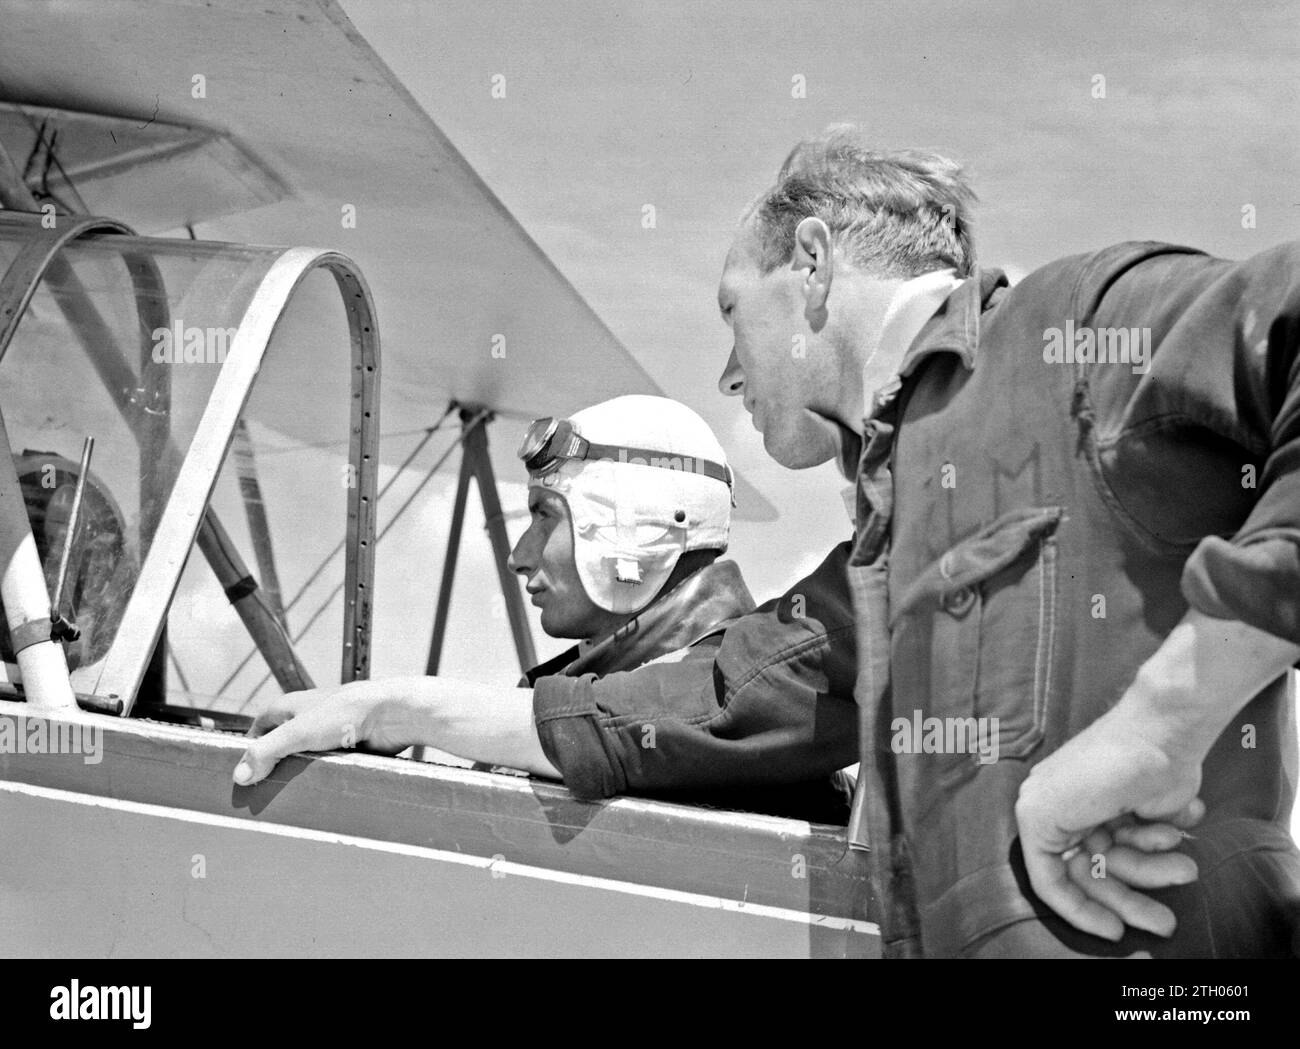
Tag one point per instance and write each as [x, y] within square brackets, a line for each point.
[1256, 582]
[1226, 373]
[770, 702]
[1254, 576]
[567, 717]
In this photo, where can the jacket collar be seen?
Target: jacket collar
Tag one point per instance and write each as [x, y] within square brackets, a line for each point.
[955, 325]
[701, 604]
[914, 303]
[954, 328]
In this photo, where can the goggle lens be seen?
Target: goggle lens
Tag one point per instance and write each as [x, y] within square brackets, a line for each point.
[533, 446]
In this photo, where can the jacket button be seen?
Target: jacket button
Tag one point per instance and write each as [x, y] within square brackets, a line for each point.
[958, 602]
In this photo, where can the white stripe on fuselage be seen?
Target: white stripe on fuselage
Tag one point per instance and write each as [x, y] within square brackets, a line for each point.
[210, 819]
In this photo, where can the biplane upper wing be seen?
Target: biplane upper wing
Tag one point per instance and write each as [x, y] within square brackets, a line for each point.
[278, 123]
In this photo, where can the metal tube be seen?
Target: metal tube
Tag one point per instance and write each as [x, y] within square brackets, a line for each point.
[271, 638]
[476, 449]
[74, 519]
[14, 193]
[449, 568]
[258, 526]
[26, 600]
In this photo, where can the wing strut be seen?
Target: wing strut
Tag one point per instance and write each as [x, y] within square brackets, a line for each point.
[477, 464]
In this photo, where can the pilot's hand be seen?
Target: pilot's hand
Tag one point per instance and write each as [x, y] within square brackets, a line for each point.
[1100, 818]
[342, 717]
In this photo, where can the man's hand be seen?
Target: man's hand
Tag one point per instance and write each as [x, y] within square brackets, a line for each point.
[1125, 787]
[342, 717]
[1099, 818]
[478, 722]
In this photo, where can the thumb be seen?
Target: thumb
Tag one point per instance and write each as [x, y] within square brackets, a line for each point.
[1171, 807]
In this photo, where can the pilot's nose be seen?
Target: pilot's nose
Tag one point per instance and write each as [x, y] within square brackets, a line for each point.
[732, 383]
[518, 559]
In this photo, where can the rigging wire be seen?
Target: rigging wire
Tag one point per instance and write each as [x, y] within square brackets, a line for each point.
[429, 432]
[338, 587]
[176, 665]
[303, 446]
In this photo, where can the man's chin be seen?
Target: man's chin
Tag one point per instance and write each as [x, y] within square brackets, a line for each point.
[562, 630]
[802, 450]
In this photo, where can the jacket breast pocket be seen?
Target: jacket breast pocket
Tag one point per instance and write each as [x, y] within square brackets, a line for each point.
[972, 643]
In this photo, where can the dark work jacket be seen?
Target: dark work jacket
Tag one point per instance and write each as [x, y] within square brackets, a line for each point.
[1029, 533]
[701, 605]
[704, 699]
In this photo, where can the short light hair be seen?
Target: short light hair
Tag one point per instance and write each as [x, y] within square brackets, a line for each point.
[896, 213]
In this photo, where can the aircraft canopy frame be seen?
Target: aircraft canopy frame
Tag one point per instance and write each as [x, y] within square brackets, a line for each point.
[34, 249]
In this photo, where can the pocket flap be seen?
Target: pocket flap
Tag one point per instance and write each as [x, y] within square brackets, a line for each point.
[979, 556]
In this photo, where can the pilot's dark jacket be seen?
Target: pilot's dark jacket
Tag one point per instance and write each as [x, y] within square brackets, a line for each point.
[1030, 530]
[738, 707]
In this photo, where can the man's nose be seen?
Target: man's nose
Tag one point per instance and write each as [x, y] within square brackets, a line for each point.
[732, 383]
[518, 561]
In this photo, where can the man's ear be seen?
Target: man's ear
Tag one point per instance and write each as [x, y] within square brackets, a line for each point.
[814, 258]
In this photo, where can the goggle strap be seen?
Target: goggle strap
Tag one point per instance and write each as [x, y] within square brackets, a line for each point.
[659, 459]
[563, 442]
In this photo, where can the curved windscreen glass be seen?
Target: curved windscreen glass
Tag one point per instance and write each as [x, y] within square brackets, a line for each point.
[281, 497]
[123, 341]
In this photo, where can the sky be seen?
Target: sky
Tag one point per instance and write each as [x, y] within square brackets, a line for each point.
[1080, 126]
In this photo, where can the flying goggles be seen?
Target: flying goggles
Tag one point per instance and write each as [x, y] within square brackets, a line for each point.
[550, 441]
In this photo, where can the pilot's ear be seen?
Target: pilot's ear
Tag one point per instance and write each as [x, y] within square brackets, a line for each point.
[814, 261]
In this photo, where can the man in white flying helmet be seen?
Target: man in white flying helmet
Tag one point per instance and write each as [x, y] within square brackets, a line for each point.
[621, 552]
[630, 503]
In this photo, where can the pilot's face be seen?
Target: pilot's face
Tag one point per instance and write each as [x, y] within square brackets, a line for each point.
[544, 557]
[789, 375]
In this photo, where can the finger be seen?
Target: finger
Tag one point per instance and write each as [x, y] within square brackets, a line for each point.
[268, 719]
[1051, 880]
[1096, 880]
[1190, 815]
[1098, 841]
[265, 752]
[1150, 870]
[283, 708]
[1149, 837]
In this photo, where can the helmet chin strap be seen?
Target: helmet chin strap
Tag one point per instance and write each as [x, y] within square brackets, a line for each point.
[627, 568]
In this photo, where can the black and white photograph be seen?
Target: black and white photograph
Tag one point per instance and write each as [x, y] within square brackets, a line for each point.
[683, 479]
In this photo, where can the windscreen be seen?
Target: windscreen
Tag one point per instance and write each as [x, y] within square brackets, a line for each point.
[122, 341]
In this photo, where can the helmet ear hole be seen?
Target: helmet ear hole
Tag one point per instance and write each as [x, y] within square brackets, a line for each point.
[680, 517]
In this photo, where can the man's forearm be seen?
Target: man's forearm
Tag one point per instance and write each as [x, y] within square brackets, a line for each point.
[1189, 691]
[478, 722]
